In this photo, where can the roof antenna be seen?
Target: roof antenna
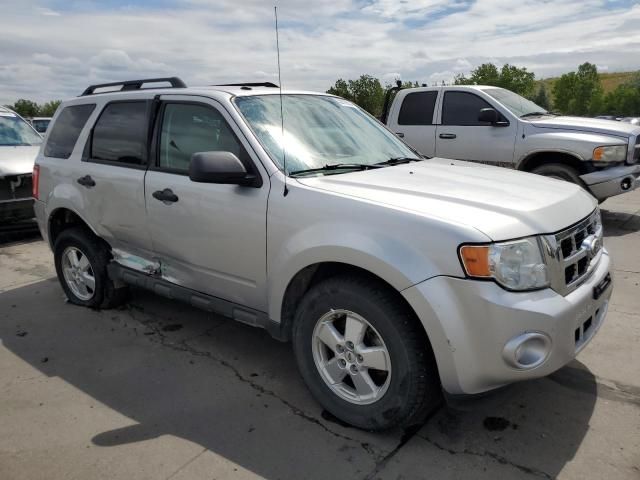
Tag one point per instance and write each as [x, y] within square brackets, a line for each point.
[284, 153]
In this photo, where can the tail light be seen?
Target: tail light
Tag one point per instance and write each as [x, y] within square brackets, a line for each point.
[35, 182]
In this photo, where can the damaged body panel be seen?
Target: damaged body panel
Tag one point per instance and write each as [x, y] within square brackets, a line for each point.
[19, 145]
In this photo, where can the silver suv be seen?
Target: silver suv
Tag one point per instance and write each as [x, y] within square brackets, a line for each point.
[396, 277]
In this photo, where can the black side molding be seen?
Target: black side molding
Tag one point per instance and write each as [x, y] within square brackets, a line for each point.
[203, 301]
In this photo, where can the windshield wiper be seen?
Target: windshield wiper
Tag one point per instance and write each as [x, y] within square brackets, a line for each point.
[399, 161]
[335, 166]
[535, 114]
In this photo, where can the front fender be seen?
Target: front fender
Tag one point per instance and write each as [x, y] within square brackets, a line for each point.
[579, 145]
[397, 263]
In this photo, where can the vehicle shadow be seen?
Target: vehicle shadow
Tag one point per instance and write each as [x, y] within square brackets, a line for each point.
[617, 224]
[229, 388]
[22, 231]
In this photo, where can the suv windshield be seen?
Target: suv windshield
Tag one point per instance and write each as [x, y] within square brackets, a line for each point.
[15, 132]
[518, 105]
[319, 131]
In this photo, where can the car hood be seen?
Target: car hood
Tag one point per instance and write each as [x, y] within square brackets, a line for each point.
[596, 125]
[501, 203]
[17, 160]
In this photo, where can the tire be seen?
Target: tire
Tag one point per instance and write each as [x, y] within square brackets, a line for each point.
[92, 257]
[561, 172]
[409, 389]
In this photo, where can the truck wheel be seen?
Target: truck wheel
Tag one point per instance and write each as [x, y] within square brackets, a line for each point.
[363, 355]
[81, 264]
[560, 172]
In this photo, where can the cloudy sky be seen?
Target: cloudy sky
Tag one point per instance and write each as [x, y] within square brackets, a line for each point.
[54, 48]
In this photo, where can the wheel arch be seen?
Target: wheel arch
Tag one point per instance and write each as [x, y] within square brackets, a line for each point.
[310, 275]
[62, 218]
[544, 157]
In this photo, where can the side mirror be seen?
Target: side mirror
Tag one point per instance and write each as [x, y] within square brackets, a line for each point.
[219, 167]
[490, 115]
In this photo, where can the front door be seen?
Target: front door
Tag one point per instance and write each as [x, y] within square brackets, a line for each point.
[208, 237]
[462, 136]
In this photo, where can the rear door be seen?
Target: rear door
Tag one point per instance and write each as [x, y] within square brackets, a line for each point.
[110, 178]
[414, 119]
[210, 237]
[461, 136]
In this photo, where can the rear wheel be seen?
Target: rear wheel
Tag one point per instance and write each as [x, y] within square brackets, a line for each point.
[81, 261]
[363, 354]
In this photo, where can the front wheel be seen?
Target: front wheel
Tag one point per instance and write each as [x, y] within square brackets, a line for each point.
[559, 172]
[363, 354]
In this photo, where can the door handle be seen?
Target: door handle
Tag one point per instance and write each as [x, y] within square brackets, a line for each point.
[400, 134]
[448, 136]
[87, 181]
[166, 196]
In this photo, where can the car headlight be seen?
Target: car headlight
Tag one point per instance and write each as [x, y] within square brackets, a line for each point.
[515, 265]
[617, 153]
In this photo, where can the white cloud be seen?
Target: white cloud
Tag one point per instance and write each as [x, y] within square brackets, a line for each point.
[45, 56]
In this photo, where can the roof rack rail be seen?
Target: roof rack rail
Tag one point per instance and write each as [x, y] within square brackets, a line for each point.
[134, 85]
[248, 84]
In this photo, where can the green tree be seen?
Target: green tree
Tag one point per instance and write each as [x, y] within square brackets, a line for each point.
[579, 93]
[26, 108]
[49, 108]
[563, 91]
[541, 98]
[516, 79]
[624, 100]
[366, 91]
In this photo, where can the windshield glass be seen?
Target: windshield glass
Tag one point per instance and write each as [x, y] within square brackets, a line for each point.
[518, 105]
[319, 130]
[16, 132]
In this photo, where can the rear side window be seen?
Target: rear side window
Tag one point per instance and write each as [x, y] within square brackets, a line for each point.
[66, 129]
[462, 108]
[120, 134]
[417, 108]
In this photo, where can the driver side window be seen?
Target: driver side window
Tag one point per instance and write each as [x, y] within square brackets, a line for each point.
[188, 129]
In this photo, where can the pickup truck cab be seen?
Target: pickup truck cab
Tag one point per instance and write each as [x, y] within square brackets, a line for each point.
[498, 127]
[394, 276]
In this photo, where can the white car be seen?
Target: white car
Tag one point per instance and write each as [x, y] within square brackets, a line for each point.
[19, 145]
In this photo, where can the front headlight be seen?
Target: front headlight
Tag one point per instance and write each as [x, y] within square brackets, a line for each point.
[516, 265]
[617, 153]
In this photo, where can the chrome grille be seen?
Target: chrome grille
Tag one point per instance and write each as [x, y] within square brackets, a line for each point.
[572, 254]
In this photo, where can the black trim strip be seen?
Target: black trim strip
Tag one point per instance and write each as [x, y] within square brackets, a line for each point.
[203, 301]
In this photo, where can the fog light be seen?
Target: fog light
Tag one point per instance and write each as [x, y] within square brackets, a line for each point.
[626, 184]
[527, 351]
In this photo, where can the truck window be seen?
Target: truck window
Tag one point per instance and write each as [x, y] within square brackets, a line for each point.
[65, 131]
[187, 129]
[120, 134]
[462, 108]
[417, 108]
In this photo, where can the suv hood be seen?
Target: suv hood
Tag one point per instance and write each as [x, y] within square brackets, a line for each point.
[17, 160]
[596, 125]
[503, 204]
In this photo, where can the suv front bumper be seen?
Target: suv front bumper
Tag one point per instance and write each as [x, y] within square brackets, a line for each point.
[612, 181]
[472, 326]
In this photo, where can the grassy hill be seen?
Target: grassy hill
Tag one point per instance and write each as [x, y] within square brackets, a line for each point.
[609, 80]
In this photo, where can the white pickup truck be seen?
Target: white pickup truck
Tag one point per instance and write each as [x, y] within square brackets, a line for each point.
[498, 127]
